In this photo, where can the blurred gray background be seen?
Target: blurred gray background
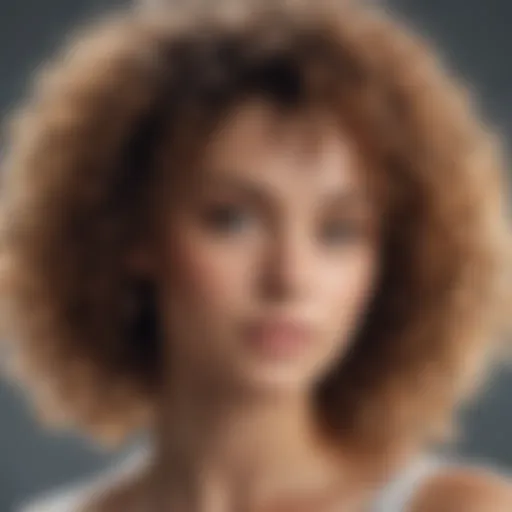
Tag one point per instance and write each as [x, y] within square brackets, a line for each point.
[475, 37]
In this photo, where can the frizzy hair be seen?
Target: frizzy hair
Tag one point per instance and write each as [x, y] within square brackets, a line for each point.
[84, 157]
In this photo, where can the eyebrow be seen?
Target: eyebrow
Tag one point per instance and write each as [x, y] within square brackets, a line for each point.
[345, 197]
[221, 180]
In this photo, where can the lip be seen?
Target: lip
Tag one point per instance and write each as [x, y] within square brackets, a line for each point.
[279, 337]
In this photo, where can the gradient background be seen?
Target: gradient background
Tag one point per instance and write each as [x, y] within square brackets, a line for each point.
[475, 37]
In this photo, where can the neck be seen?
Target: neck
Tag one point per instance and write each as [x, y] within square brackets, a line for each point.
[221, 450]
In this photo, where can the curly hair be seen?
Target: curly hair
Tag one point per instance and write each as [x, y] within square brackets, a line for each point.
[84, 157]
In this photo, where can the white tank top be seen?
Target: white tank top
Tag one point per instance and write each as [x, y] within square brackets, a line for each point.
[394, 497]
[397, 495]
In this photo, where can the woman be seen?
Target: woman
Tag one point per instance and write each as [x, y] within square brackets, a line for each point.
[273, 239]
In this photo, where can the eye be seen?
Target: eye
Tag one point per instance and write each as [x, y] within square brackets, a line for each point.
[228, 218]
[342, 231]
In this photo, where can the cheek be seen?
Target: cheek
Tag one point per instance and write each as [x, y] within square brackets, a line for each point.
[206, 277]
[203, 293]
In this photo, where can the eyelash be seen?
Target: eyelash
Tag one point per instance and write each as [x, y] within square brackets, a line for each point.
[221, 217]
[345, 231]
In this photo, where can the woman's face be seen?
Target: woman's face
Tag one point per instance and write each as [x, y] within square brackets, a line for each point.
[270, 252]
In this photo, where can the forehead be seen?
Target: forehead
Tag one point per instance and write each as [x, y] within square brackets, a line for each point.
[260, 142]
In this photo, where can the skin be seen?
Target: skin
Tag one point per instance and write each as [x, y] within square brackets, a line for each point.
[465, 489]
[269, 225]
[277, 219]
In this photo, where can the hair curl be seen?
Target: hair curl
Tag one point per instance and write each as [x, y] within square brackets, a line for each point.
[82, 159]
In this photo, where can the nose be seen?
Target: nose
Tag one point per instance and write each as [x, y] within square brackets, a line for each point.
[289, 268]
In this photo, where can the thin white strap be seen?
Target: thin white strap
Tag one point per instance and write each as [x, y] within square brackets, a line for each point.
[398, 494]
[73, 498]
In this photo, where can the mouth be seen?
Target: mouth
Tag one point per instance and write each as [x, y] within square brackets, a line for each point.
[278, 338]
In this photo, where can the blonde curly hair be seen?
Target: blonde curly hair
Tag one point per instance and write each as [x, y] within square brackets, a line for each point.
[83, 157]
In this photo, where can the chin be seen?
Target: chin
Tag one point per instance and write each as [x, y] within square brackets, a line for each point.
[278, 377]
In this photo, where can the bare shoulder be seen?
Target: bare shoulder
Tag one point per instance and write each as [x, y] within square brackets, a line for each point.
[112, 491]
[69, 500]
[118, 496]
[465, 489]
